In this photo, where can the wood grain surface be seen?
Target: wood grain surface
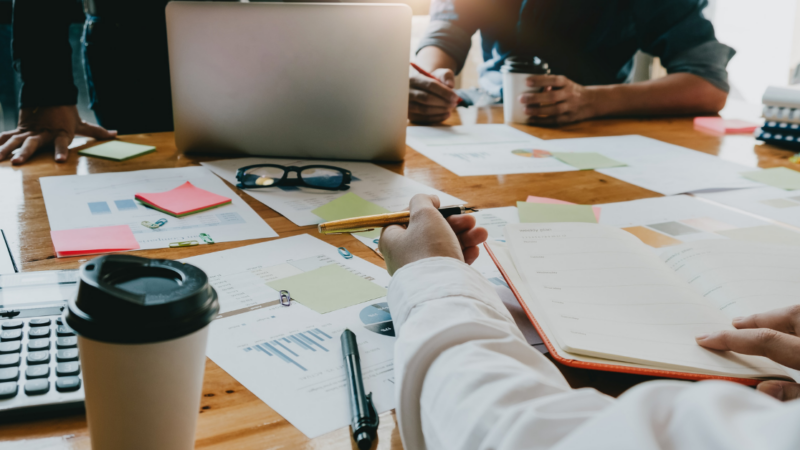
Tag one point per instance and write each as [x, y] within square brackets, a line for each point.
[230, 416]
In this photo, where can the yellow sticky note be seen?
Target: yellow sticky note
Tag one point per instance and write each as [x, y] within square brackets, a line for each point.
[329, 288]
[117, 150]
[587, 160]
[348, 206]
[543, 213]
[780, 177]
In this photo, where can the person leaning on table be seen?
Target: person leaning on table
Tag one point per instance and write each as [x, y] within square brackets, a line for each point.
[589, 46]
[467, 379]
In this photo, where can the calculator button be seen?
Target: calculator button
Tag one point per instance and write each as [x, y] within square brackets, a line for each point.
[39, 322]
[10, 374]
[67, 384]
[35, 358]
[68, 369]
[37, 387]
[9, 360]
[39, 332]
[10, 347]
[38, 344]
[67, 342]
[12, 324]
[37, 372]
[70, 354]
[63, 330]
[11, 335]
[8, 390]
[59, 321]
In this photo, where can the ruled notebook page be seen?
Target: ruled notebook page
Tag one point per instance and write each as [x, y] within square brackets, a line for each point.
[739, 278]
[606, 294]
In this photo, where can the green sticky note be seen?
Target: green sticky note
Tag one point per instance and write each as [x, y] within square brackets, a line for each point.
[544, 212]
[329, 288]
[587, 161]
[348, 206]
[780, 177]
[117, 150]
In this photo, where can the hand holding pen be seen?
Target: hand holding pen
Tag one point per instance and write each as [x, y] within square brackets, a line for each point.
[431, 97]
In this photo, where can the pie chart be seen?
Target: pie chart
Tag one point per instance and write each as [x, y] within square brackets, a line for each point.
[532, 153]
[376, 318]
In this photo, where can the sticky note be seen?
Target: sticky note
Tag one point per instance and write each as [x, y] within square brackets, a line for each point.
[718, 125]
[184, 199]
[543, 213]
[117, 150]
[780, 177]
[552, 201]
[767, 234]
[587, 160]
[329, 288]
[348, 206]
[89, 241]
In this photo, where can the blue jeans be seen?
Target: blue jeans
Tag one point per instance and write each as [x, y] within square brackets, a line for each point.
[127, 72]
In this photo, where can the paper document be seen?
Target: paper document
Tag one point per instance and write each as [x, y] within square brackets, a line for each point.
[370, 182]
[779, 177]
[291, 357]
[489, 149]
[666, 221]
[107, 199]
[553, 212]
[772, 203]
[655, 165]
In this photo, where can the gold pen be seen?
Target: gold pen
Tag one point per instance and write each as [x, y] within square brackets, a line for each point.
[368, 223]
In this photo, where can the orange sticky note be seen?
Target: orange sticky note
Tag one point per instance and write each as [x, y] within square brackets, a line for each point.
[89, 241]
[552, 201]
[184, 199]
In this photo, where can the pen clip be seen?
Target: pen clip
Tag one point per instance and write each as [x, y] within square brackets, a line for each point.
[373, 419]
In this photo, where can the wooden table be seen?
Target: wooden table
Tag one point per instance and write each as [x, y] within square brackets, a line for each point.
[231, 416]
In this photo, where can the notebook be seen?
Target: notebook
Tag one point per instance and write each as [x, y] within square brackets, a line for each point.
[601, 299]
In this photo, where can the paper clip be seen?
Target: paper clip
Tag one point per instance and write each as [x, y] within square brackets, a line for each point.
[206, 238]
[343, 251]
[376, 241]
[154, 226]
[161, 222]
[285, 298]
[183, 244]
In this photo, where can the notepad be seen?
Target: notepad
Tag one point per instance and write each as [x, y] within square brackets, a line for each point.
[780, 177]
[603, 300]
[183, 200]
[117, 150]
[329, 288]
[587, 160]
[348, 206]
[544, 213]
[552, 201]
[90, 241]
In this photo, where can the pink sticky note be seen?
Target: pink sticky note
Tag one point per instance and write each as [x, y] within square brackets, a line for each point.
[724, 126]
[89, 241]
[552, 201]
[184, 199]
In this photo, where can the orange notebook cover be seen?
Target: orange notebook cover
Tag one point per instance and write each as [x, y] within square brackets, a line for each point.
[607, 367]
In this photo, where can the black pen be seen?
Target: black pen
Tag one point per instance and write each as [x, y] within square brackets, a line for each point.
[364, 417]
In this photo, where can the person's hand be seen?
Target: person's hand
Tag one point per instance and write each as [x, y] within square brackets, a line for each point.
[47, 126]
[773, 334]
[430, 101]
[429, 234]
[561, 101]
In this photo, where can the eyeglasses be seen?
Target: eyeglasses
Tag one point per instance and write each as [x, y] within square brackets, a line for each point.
[316, 176]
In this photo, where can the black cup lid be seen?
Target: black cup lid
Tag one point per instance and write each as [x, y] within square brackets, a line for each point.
[526, 64]
[133, 300]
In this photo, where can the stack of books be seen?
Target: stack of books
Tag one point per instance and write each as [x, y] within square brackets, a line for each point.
[782, 114]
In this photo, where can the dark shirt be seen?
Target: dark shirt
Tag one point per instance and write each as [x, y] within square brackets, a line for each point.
[591, 42]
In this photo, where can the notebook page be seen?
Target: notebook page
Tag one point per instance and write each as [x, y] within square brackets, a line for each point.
[740, 278]
[607, 295]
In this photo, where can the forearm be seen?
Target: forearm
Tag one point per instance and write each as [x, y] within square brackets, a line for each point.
[42, 51]
[431, 58]
[675, 94]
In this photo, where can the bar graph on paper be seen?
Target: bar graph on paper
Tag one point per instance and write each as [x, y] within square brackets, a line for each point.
[295, 348]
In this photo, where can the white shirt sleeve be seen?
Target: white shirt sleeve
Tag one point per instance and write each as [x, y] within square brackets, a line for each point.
[466, 379]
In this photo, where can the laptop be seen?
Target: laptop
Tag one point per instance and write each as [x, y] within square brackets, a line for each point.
[300, 80]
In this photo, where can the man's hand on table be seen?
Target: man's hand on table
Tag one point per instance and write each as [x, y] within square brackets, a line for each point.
[773, 334]
[431, 101]
[44, 127]
[429, 234]
[561, 101]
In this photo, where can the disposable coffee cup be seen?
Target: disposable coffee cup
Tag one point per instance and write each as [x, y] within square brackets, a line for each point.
[142, 327]
[516, 71]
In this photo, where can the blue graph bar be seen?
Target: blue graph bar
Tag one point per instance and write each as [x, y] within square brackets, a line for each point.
[311, 332]
[262, 349]
[311, 341]
[282, 356]
[282, 347]
[322, 333]
[285, 348]
[301, 343]
[99, 208]
[125, 205]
